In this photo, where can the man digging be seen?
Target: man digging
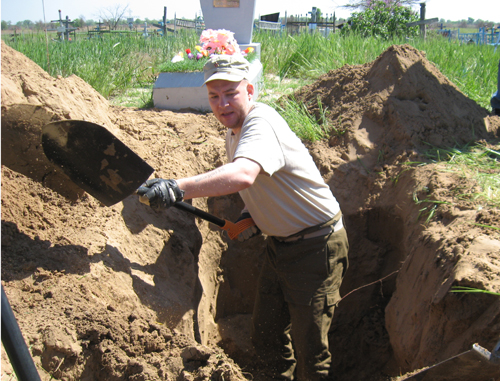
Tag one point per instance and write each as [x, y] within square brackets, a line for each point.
[284, 193]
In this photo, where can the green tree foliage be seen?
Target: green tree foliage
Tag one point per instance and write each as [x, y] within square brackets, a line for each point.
[27, 24]
[383, 19]
[364, 4]
[319, 14]
[78, 23]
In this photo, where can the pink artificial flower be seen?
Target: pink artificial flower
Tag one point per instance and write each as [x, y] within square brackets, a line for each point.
[219, 42]
[207, 35]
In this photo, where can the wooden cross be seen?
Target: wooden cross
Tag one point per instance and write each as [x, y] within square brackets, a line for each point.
[423, 22]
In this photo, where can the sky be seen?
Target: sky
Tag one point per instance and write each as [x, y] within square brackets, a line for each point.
[36, 10]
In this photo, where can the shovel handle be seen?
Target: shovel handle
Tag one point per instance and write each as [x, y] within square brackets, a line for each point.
[191, 209]
[200, 213]
[15, 346]
[233, 229]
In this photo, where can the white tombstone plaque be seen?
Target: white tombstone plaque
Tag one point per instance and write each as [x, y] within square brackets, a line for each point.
[234, 15]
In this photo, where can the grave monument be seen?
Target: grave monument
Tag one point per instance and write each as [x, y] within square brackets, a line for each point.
[175, 91]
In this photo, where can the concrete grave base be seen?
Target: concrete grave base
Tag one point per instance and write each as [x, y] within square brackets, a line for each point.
[175, 91]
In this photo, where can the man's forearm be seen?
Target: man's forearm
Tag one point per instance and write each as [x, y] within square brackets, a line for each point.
[229, 178]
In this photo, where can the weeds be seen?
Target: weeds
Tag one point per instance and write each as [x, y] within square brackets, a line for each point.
[430, 210]
[301, 121]
[472, 290]
[116, 63]
[479, 163]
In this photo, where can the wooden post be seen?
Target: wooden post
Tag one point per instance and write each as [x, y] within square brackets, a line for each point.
[164, 22]
[422, 18]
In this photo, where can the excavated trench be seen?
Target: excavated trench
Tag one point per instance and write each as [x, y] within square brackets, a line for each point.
[359, 341]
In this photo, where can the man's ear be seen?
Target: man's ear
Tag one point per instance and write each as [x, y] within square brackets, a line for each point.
[250, 90]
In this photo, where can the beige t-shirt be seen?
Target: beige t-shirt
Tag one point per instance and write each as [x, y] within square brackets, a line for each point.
[291, 195]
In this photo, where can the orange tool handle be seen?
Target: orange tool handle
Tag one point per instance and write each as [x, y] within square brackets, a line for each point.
[234, 229]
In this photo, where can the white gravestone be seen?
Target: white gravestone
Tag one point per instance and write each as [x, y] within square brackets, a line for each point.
[175, 91]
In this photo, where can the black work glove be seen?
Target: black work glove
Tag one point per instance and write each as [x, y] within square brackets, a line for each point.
[160, 193]
[250, 232]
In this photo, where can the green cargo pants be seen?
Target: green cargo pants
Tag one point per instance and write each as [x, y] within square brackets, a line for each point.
[297, 291]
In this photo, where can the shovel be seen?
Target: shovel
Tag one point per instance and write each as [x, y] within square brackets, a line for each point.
[98, 162]
[15, 346]
[476, 364]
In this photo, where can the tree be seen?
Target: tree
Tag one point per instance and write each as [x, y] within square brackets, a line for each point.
[27, 24]
[383, 19]
[78, 23]
[319, 14]
[481, 23]
[366, 4]
[112, 16]
[40, 25]
[470, 20]
[5, 25]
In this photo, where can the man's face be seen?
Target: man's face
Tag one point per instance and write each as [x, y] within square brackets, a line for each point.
[230, 101]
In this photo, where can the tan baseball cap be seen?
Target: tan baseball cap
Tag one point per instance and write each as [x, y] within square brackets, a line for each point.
[232, 68]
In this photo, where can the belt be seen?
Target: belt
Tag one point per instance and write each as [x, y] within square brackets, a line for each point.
[318, 233]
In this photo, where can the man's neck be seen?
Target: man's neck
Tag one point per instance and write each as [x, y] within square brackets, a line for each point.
[235, 131]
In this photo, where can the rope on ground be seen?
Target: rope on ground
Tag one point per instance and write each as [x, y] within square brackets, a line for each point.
[369, 284]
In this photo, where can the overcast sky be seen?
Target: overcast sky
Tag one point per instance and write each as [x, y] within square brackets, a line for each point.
[19, 10]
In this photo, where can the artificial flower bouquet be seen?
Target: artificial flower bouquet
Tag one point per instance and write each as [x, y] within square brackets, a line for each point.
[212, 42]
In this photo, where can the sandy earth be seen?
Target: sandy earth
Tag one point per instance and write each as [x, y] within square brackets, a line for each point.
[126, 293]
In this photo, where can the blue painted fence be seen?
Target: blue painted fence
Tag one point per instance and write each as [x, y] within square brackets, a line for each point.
[480, 38]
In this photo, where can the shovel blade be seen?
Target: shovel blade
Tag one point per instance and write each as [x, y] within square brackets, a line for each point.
[94, 159]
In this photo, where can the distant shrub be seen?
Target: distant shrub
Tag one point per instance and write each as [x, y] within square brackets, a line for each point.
[383, 19]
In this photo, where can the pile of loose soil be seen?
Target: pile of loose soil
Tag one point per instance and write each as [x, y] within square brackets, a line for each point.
[123, 292]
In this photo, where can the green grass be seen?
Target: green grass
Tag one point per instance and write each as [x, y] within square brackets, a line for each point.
[114, 64]
[479, 164]
[301, 122]
[473, 68]
[472, 290]
[274, 87]
[135, 97]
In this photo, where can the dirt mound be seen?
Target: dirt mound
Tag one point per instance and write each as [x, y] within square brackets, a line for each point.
[128, 293]
[398, 103]
[102, 293]
[30, 99]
